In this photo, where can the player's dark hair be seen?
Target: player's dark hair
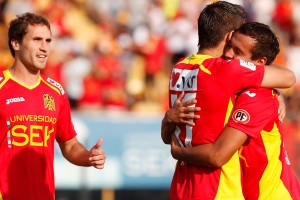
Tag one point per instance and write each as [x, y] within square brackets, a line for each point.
[267, 44]
[216, 20]
[18, 27]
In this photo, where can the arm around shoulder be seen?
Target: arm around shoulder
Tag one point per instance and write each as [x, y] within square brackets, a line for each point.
[278, 77]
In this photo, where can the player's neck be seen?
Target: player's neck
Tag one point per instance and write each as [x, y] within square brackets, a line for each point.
[24, 75]
[217, 51]
[214, 52]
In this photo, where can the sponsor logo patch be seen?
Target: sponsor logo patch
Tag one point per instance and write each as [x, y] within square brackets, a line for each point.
[175, 77]
[183, 80]
[248, 65]
[241, 116]
[56, 84]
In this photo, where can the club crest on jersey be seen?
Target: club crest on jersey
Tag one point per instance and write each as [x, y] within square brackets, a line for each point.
[248, 65]
[49, 102]
[241, 116]
[183, 80]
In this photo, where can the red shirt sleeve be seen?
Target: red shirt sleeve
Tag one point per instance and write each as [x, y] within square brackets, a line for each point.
[238, 75]
[255, 110]
[65, 128]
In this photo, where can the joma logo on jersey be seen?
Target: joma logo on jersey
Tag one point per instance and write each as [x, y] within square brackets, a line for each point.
[14, 100]
[241, 116]
[49, 102]
[183, 80]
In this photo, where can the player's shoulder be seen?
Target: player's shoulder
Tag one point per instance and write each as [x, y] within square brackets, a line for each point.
[220, 63]
[234, 63]
[260, 90]
[258, 93]
[4, 76]
[53, 84]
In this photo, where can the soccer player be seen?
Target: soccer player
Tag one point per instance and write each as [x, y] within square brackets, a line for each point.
[34, 112]
[214, 83]
[254, 127]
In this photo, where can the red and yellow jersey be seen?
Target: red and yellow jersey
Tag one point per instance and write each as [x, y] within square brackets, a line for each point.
[214, 82]
[266, 170]
[31, 119]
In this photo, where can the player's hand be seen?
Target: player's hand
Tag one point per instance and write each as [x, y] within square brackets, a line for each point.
[183, 112]
[281, 107]
[97, 155]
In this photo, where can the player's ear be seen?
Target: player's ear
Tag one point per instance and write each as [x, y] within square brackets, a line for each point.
[228, 36]
[15, 44]
[262, 61]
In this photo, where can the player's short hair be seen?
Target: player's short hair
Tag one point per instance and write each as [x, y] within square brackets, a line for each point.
[216, 20]
[266, 45]
[18, 27]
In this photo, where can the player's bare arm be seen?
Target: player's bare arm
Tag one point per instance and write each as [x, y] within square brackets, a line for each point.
[210, 155]
[77, 154]
[281, 107]
[278, 77]
[180, 113]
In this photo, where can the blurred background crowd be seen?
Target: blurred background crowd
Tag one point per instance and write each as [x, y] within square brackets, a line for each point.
[117, 54]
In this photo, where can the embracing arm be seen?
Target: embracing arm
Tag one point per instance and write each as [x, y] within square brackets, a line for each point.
[167, 128]
[278, 77]
[77, 154]
[281, 107]
[180, 113]
[211, 155]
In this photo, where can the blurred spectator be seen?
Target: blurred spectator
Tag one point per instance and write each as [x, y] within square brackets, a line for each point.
[283, 17]
[112, 80]
[2, 5]
[73, 72]
[91, 98]
[262, 11]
